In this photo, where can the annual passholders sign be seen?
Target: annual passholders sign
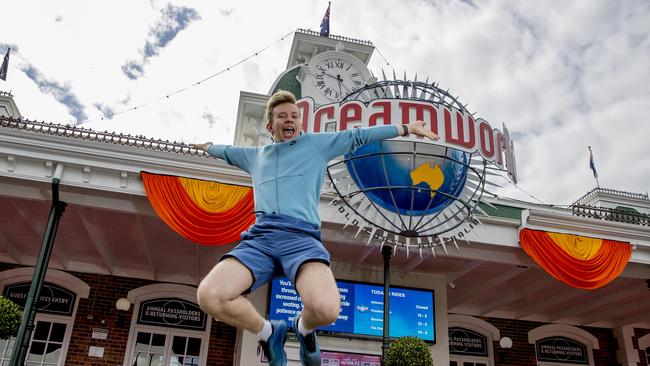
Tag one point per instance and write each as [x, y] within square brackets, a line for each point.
[172, 312]
[467, 342]
[561, 349]
[362, 309]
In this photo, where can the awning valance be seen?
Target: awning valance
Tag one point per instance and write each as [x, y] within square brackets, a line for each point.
[580, 262]
[205, 212]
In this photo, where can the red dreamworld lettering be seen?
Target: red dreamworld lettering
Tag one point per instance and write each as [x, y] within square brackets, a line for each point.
[500, 140]
[420, 108]
[486, 139]
[305, 107]
[460, 130]
[511, 165]
[462, 124]
[385, 113]
[345, 117]
[327, 110]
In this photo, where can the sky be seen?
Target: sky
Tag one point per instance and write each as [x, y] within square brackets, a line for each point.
[562, 75]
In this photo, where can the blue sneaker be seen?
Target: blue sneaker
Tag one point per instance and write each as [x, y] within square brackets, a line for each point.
[309, 348]
[274, 347]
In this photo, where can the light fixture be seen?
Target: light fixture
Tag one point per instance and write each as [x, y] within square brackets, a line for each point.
[452, 285]
[505, 342]
[123, 304]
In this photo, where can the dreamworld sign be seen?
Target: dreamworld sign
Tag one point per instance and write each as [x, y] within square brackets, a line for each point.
[409, 191]
[457, 129]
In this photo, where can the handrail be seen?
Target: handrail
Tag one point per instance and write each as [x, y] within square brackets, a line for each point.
[340, 38]
[92, 135]
[614, 192]
[611, 214]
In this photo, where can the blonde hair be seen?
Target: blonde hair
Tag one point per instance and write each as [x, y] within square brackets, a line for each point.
[279, 97]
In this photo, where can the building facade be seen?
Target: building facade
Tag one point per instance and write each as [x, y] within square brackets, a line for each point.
[120, 288]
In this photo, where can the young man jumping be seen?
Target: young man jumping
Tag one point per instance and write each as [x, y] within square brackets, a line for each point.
[285, 239]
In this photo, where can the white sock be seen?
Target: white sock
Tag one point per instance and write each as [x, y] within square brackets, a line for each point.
[265, 333]
[302, 329]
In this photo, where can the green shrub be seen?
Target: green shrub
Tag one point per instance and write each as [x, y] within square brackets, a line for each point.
[408, 351]
[10, 317]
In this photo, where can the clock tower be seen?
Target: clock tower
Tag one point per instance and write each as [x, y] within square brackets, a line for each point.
[325, 69]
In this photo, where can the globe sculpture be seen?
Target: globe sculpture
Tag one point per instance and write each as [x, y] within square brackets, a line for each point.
[407, 192]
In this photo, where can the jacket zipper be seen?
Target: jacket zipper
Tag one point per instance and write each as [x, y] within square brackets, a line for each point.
[277, 199]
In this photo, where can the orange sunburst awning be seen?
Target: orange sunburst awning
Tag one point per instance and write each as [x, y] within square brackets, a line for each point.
[205, 212]
[581, 262]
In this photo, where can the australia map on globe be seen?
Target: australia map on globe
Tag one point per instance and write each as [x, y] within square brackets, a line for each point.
[431, 176]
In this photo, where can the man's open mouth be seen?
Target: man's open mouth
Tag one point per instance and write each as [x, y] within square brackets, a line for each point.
[288, 131]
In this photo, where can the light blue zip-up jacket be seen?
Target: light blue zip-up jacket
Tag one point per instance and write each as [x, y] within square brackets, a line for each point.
[287, 176]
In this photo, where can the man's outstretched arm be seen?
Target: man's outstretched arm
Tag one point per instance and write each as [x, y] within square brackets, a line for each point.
[335, 144]
[239, 156]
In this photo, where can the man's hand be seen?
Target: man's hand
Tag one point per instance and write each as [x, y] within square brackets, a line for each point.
[418, 128]
[203, 147]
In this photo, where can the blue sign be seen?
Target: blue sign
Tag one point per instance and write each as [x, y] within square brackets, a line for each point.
[362, 309]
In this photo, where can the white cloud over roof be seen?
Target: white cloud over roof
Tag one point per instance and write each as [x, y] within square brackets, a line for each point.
[561, 75]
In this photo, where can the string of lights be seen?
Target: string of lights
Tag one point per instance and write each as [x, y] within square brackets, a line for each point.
[385, 59]
[197, 83]
[518, 186]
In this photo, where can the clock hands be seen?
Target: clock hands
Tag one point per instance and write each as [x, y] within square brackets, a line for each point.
[337, 77]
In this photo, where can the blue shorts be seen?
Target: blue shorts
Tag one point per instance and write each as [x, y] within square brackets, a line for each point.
[278, 245]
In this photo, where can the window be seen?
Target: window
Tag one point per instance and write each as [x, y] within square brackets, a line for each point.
[466, 361]
[6, 349]
[47, 341]
[185, 351]
[54, 319]
[157, 348]
[169, 331]
[46, 347]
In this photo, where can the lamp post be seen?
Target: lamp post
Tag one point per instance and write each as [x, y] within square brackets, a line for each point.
[29, 314]
[387, 252]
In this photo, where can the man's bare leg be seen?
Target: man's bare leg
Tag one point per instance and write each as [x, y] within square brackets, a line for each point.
[219, 294]
[319, 293]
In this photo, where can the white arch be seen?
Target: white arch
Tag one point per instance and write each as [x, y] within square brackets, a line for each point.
[60, 278]
[475, 324]
[159, 290]
[563, 330]
[644, 342]
[164, 290]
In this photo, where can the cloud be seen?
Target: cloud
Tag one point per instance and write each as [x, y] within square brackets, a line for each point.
[126, 99]
[174, 19]
[61, 92]
[212, 119]
[226, 12]
[5, 46]
[106, 111]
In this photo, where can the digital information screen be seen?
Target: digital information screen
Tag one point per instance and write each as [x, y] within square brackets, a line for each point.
[362, 309]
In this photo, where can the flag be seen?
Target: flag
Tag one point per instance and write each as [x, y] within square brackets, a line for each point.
[591, 163]
[325, 23]
[5, 66]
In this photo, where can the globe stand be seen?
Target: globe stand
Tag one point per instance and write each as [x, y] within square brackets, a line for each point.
[387, 253]
[416, 222]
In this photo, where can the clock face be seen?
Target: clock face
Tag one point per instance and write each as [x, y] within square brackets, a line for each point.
[335, 78]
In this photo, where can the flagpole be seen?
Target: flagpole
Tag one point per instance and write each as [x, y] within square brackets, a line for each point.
[593, 166]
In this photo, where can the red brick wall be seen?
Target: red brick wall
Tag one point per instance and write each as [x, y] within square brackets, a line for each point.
[106, 290]
[523, 354]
